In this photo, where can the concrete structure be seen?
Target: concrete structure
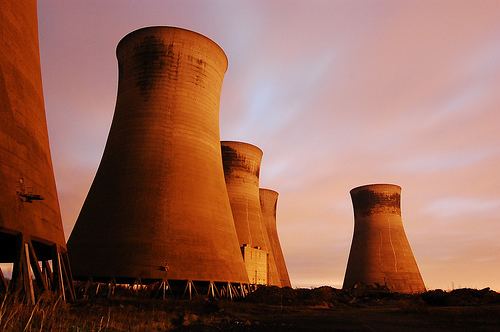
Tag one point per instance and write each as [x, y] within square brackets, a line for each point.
[268, 204]
[30, 222]
[256, 265]
[158, 207]
[380, 252]
[241, 170]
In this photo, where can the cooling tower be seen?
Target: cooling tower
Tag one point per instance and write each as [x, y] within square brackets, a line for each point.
[241, 170]
[30, 222]
[158, 206]
[380, 252]
[268, 204]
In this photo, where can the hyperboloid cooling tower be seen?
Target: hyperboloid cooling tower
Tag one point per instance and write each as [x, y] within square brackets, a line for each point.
[158, 207]
[241, 170]
[268, 204]
[30, 222]
[380, 252]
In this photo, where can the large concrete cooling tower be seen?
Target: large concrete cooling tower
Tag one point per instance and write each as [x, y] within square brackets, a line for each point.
[241, 170]
[380, 252]
[30, 221]
[268, 204]
[159, 198]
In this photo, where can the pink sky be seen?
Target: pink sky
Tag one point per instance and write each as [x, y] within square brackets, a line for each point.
[337, 94]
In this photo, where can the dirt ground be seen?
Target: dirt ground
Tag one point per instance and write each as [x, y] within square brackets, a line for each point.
[267, 309]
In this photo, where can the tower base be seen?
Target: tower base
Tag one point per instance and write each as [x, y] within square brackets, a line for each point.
[162, 289]
[38, 268]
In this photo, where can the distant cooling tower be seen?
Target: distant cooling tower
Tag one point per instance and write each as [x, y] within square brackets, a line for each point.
[268, 204]
[158, 207]
[241, 170]
[30, 222]
[380, 252]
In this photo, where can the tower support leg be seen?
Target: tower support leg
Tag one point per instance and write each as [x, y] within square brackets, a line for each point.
[68, 276]
[28, 281]
[190, 289]
[3, 283]
[47, 274]
[62, 280]
[212, 290]
[97, 288]
[58, 274]
[86, 288]
[16, 282]
[135, 285]
[35, 267]
[164, 287]
[111, 288]
[244, 290]
[230, 292]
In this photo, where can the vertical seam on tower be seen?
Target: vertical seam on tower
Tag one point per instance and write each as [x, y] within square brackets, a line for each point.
[392, 247]
[248, 224]
[380, 248]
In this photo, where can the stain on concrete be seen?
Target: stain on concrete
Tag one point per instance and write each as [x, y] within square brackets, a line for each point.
[236, 161]
[151, 57]
[367, 202]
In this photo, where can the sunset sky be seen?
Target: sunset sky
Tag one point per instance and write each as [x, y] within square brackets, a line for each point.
[337, 94]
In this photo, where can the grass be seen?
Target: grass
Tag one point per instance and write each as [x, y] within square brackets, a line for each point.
[52, 314]
[267, 309]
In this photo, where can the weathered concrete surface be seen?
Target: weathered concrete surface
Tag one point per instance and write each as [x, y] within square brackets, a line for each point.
[159, 196]
[241, 170]
[268, 204]
[25, 162]
[380, 252]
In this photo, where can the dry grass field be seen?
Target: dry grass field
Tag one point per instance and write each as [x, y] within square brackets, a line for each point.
[267, 309]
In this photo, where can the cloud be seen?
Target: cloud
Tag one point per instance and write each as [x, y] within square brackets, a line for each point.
[461, 206]
[336, 93]
[440, 162]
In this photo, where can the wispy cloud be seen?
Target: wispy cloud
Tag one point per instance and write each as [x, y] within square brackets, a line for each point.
[461, 206]
[440, 162]
[337, 93]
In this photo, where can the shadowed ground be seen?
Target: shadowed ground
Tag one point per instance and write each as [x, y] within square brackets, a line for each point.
[268, 309]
